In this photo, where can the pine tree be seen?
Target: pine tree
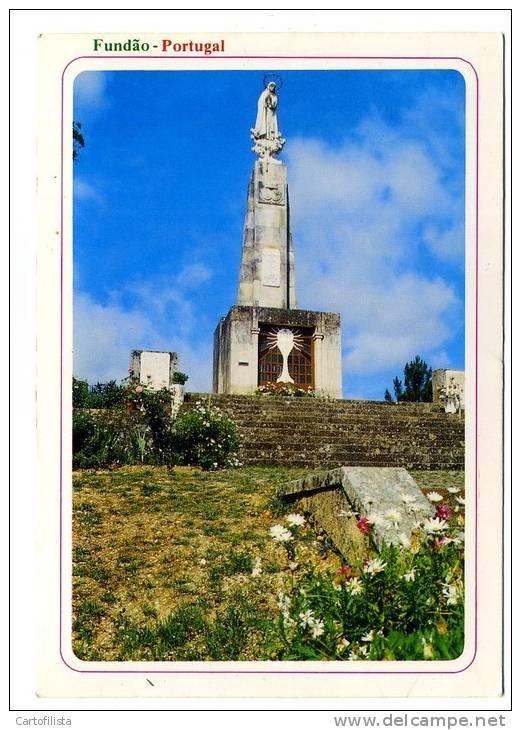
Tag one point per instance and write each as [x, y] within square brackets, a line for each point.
[417, 383]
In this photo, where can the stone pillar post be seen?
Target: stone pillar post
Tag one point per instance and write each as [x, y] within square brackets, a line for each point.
[318, 366]
[255, 330]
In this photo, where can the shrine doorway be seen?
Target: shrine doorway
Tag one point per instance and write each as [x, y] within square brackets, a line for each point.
[274, 341]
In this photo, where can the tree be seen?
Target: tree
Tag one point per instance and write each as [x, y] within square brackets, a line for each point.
[78, 140]
[416, 386]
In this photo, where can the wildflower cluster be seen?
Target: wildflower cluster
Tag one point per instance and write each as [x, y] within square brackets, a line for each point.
[286, 389]
[406, 602]
[286, 536]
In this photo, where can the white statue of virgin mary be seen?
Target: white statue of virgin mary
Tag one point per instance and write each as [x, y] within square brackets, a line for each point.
[266, 125]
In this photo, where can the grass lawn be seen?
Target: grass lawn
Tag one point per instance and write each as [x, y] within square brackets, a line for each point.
[163, 559]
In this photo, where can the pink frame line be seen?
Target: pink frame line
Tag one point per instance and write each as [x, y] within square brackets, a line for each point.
[273, 671]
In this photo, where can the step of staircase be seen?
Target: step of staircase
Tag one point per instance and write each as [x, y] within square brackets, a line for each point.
[315, 432]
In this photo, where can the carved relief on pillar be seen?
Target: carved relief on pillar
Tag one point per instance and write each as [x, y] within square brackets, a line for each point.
[272, 192]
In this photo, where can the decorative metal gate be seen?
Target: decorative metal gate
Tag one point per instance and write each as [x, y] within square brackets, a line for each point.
[297, 343]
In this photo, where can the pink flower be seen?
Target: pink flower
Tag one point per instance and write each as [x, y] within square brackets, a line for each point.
[443, 512]
[363, 525]
[440, 542]
[345, 571]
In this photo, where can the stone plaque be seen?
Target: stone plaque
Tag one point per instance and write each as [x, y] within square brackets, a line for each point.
[270, 267]
[155, 369]
[271, 193]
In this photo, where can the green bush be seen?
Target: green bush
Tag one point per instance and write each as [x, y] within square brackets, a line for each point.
[146, 433]
[101, 395]
[102, 439]
[205, 437]
[80, 393]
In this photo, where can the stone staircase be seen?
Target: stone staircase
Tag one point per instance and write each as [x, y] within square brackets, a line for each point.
[330, 433]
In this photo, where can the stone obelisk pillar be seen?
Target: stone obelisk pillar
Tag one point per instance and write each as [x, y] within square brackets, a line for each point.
[267, 276]
[264, 337]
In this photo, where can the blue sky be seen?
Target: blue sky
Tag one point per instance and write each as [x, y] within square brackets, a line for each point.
[376, 179]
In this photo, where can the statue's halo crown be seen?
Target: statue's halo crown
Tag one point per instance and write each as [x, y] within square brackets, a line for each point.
[272, 78]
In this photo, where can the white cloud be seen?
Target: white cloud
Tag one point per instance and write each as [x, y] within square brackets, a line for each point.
[90, 89]
[358, 214]
[161, 317]
[447, 243]
[84, 191]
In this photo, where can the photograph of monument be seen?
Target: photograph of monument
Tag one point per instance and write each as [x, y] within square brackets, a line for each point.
[373, 217]
[269, 362]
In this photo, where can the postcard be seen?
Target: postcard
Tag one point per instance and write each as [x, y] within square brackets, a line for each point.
[270, 365]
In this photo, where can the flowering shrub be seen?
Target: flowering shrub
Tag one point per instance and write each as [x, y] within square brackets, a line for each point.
[405, 603]
[148, 434]
[286, 389]
[154, 407]
[205, 437]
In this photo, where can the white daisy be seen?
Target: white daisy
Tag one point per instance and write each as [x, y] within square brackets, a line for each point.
[411, 575]
[451, 594]
[434, 496]
[454, 490]
[460, 500]
[280, 533]
[307, 618]
[434, 524]
[283, 601]
[393, 516]
[317, 629]
[407, 498]
[374, 566]
[369, 636]
[376, 518]
[354, 586]
[295, 520]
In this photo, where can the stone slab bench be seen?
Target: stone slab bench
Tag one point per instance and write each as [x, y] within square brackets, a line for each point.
[332, 496]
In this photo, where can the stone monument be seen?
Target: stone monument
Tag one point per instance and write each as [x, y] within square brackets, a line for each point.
[154, 368]
[265, 338]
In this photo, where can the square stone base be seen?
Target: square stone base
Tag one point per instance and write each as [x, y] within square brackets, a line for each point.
[153, 367]
[236, 347]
